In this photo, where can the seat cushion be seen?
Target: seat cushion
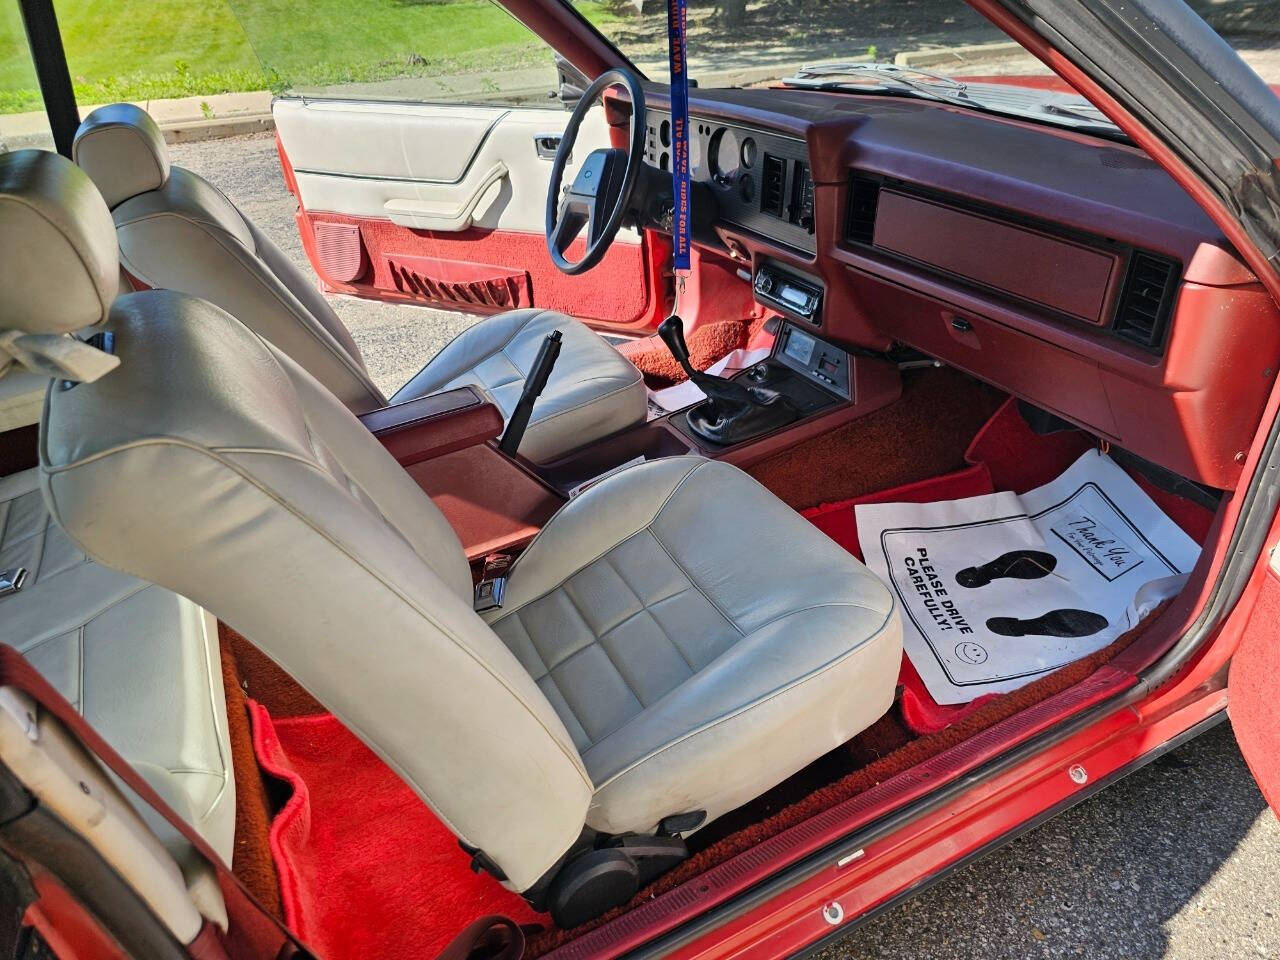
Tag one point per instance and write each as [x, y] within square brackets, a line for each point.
[593, 391]
[700, 640]
[139, 662]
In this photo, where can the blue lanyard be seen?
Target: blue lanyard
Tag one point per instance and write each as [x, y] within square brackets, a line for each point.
[676, 15]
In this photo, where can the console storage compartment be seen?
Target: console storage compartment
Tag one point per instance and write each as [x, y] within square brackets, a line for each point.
[653, 441]
[435, 425]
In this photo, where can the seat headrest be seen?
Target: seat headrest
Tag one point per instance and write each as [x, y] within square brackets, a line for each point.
[59, 263]
[123, 150]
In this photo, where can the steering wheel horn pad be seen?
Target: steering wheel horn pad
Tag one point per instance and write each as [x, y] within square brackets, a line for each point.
[602, 190]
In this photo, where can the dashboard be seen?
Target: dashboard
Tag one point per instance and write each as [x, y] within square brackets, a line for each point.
[1068, 270]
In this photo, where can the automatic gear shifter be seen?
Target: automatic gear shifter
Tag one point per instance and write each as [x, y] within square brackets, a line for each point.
[732, 412]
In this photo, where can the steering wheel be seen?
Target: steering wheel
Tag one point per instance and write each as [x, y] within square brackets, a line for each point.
[602, 191]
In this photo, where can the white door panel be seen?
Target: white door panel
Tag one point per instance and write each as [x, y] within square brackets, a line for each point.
[407, 141]
[439, 167]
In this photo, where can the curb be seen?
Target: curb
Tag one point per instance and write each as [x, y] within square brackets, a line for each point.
[182, 131]
[945, 56]
[195, 130]
[181, 119]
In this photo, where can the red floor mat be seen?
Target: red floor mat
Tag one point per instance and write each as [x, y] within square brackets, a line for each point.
[836, 520]
[1020, 460]
[366, 870]
[920, 712]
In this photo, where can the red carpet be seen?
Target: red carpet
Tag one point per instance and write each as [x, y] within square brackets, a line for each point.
[1020, 460]
[366, 870]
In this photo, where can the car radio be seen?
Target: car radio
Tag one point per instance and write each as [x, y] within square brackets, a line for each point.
[789, 293]
[816, 360]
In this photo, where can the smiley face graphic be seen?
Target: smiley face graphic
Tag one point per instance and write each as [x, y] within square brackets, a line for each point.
[971, 652]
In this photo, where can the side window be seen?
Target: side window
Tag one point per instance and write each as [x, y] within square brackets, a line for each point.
[22, 119]
[450, 51]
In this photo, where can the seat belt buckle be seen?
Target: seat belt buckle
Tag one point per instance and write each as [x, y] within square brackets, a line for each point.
[493, 583]
[11, 581]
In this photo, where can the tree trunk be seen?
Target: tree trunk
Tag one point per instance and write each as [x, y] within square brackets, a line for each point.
[733, 11]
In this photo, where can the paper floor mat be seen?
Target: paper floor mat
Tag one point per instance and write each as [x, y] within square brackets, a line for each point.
[997, 590]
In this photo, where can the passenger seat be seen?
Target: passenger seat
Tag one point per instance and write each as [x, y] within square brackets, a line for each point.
[179, 232]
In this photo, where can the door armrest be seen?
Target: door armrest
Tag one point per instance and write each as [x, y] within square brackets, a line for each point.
[446, 214]
[439, 423]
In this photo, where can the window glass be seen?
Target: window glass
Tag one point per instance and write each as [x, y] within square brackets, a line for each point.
[758, 42]
[162, 50]
[424, 50]
[145, 50]
[22, 119]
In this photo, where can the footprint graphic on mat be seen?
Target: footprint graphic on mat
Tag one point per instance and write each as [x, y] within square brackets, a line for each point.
[1055, 623]
[1014, 565]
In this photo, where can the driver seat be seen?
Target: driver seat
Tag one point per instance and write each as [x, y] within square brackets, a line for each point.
[179, 232]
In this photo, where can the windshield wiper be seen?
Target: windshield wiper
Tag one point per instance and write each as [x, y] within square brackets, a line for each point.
[878, 78]
[1013, 100]
[1083, 110]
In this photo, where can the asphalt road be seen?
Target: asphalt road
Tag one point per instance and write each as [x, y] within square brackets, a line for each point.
[1179, 860]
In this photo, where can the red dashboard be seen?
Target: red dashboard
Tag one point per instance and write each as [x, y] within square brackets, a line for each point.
[1068, 270]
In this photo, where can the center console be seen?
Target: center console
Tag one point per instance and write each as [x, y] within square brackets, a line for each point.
[826, 385]
[448, 442]
[810, 376]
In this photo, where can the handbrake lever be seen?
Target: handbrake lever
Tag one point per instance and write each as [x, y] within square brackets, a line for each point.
[533, 387]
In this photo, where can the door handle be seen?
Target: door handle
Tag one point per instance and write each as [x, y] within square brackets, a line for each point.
[545, 146]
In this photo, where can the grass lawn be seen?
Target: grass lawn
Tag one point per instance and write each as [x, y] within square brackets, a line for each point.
[150, 49]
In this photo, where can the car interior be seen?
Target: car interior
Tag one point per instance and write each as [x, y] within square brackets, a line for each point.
[515, 639]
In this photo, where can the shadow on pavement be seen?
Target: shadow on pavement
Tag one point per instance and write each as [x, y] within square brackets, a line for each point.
[1102, 879]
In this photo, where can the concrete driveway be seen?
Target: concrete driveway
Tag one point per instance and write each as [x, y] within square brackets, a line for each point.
[1179, 860]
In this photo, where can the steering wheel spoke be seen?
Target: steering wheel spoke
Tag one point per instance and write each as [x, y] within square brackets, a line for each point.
[603, 188]
[573, 217]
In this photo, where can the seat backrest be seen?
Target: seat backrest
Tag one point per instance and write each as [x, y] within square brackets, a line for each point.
[210, 463]
[179, 232]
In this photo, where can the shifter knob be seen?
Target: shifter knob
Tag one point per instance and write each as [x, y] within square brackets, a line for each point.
[671, 330]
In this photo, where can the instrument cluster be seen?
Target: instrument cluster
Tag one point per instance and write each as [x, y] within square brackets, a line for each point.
[761, 180]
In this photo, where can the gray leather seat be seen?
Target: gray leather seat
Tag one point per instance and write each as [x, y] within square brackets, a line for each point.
[179, 232]
[599, 393]
[699, 640]
[675, 639]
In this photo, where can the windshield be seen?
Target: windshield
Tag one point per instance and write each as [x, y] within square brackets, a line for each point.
[740, 43]
[930, 49]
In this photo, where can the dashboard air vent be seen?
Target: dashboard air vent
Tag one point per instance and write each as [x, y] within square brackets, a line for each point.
[773, 186]
[864, 197]
[1146, 299]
